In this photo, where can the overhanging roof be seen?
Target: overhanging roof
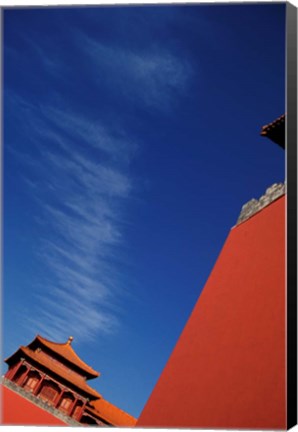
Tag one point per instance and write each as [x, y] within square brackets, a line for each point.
[66, 351]
[275, 131]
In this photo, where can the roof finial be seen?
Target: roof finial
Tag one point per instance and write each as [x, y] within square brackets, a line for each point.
[70, 339]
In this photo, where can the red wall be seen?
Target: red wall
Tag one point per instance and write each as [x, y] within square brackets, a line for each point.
[228, 367]
[19, 411]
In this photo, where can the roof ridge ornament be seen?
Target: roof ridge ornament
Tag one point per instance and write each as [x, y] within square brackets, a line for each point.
[70, 339]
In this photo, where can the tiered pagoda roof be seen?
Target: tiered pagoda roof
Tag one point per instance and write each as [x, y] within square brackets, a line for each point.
[57, 369]
[66, 351]
[60, 361]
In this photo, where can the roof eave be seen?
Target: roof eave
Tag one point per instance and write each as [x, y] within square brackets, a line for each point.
[92, 392]
[87, 373]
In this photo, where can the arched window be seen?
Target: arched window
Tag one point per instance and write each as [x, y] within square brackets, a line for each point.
[31, 381]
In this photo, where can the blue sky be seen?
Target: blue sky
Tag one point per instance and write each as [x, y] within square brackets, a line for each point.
[131, 142]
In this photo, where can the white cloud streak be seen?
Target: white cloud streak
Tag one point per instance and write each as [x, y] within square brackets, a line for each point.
[80, 180]
[149, 78]
[81, 200]
[92, 132]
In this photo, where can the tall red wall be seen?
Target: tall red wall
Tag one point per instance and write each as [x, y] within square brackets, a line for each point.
[228, 367]
[17, 410]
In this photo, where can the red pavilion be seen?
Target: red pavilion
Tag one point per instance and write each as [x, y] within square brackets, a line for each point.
[46, 383]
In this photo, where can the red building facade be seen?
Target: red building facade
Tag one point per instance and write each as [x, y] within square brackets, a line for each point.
[52, 377]
[228, 369]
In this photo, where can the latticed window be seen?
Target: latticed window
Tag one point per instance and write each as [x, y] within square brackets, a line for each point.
[65, 403]
[31, 383]
[49, 392]
[32, 380]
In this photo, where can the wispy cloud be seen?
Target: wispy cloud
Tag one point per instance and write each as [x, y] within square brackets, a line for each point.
[152, 77]
[82, 200]
[77, 172]
[89, 131]
[149, 77]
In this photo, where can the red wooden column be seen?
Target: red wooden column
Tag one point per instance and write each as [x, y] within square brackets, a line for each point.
[71, 410]
[26, 374]
[79, 416]
[11, 373]
[60, 397]
[38, 387]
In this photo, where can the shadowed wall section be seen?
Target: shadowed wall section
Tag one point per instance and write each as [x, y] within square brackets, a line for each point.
[228, 367]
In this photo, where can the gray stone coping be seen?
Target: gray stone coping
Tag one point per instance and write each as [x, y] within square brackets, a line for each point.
[254, 206]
